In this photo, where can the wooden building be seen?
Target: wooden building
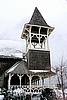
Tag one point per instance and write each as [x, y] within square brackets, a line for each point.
[29, 73]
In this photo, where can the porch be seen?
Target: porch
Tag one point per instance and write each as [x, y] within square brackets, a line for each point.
[30, 81]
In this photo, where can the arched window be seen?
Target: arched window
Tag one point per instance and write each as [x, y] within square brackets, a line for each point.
[15, 80]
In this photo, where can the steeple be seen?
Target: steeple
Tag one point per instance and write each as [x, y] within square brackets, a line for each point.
[37, 19]
[36, 34]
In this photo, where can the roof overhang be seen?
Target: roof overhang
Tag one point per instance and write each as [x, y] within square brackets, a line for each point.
[50, 29]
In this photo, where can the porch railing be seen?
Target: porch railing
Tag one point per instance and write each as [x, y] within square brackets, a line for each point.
[35, 89]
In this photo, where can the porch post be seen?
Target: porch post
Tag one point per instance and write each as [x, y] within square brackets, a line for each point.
[49, 80]
[30, 82]
[20, 81]
[43, 81]
[40, 81]
[9, 81]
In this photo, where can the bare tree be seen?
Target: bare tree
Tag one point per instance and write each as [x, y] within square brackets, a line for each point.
[61, 74]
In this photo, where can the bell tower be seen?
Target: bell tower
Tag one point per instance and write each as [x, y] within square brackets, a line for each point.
[36, 34]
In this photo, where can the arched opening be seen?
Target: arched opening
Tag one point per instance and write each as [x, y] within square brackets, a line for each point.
[15, 80]
[35, 80]
[25, 80]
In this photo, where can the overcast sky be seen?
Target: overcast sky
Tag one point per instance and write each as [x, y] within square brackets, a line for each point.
[15, 13]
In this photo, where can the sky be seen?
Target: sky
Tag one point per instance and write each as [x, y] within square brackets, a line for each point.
[15, 13]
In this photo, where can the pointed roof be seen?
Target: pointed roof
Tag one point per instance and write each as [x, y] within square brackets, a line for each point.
[37, 19]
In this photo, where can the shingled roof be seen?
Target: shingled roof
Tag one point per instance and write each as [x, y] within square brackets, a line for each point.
[19, 68]
[37, 19]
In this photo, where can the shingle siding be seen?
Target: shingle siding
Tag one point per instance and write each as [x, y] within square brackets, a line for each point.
[38, 60]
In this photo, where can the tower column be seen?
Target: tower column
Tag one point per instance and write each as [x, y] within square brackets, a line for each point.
[47, 40]
[30, 36]
[39, 36]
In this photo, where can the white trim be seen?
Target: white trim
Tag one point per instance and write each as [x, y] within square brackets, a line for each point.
[42, 49]
[39, 26]
[39, 71]
[12, 68]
